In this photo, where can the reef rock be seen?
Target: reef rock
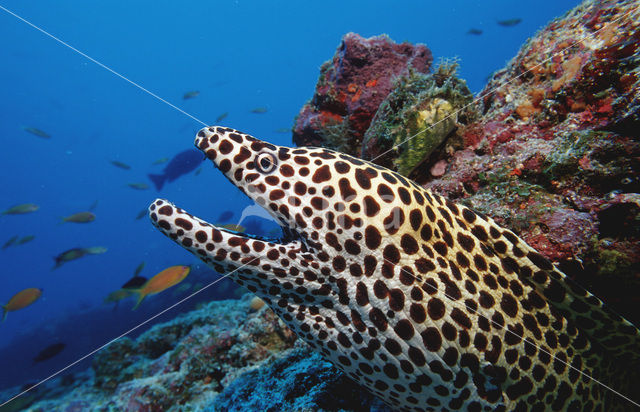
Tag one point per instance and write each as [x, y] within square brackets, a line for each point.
[298, 380]
[350, 88]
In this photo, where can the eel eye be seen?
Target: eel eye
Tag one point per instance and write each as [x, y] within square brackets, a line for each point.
[265, 162]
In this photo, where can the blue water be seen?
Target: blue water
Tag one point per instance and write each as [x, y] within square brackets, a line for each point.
[239, 55]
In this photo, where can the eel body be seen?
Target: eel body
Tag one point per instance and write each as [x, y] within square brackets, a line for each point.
[424, 302]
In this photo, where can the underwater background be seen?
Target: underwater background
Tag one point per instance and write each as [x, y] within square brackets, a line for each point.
[76, 137]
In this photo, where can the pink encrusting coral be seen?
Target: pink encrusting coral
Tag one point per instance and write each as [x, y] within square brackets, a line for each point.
[351, 87]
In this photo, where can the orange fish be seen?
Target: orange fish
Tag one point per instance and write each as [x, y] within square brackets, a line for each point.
[21, 300]
[164, 280]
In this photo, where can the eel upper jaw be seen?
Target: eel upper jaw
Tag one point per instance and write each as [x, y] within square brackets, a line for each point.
[289, 235]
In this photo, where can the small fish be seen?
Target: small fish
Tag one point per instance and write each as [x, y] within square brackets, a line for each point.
[222, 117]
[474, 31]
[12, 241]
[135, 282]
[138, 269]
[190, 94]
[182, 163]
[198, 171]
[259, 110]
[509, 22]
[138, 186]
[93, 206]
[225, 216]
[96, 250]
[49, 352]
[21, 300]
[77, 253]
[283, 130]
[119, 164]
[117, 295]
[142, 213]
[21, 209]
[160, 161]
[162, 281]
[25, 239]
[37, 132]
[234, 227]
[80, 217]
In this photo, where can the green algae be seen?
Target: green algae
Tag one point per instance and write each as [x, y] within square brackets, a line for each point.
[419, 114]
[597, 158]
[612, 262]
[338, 136]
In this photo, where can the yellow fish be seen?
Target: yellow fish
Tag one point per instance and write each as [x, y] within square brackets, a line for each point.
[118, 295]
[25, 239]
[21, 209]
[77, 253]
[138, 186]
[81, 217]
[21, 300]
[191, 94]
[222, 117]
[11, 242]
[138, 269]
[259, 110]
[37, 132]
[162, 281]
[119, 164]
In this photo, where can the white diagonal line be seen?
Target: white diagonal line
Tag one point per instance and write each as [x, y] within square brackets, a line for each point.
[104, 66]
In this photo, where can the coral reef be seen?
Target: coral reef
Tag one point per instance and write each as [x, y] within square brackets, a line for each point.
[555, 155]
[228, 347]
[350, 88]
[551, 152]
[549, 148]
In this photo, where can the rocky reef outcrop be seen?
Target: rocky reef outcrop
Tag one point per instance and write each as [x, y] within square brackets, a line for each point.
[350, 88]
[550, 148]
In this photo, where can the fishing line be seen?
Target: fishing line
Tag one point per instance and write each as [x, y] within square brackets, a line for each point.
[125, 333]
[481, 96]
[104, 66]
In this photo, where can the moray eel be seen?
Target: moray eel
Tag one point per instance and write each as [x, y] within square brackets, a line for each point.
[424, 302]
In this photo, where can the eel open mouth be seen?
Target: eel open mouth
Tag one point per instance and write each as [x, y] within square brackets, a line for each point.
[251, 165]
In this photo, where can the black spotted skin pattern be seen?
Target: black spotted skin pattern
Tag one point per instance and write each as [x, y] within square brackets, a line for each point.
[425, 303]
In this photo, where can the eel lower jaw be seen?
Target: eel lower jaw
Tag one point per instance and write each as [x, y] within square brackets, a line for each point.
[163, 216]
